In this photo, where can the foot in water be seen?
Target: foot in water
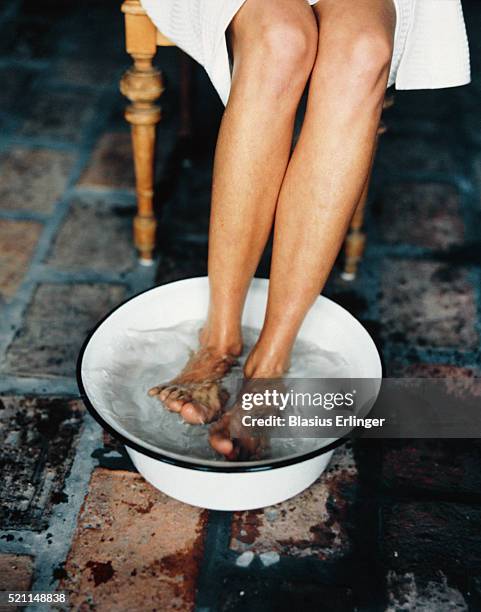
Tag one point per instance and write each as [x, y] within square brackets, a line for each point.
[196, 393]
[228, 436]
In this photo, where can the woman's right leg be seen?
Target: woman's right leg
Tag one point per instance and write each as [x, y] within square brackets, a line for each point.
[274, 46]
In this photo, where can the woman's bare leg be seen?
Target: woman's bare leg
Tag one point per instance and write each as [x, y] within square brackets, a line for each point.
[326, 173]
[274, 46]
[328, 169]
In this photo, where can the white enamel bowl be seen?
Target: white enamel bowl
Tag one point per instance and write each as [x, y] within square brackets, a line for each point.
[222, 485]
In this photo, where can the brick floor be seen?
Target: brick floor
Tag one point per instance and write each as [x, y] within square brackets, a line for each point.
[15, 574]
[447, 467]
[111, 164]
[58, 115]
[314, 523]
[77, 71]
[56, 324]
[415, 154]
[431, 537]
[134, 548]
[405, 595]
[106, 246]
[255, 594]
[33, 179]
[425, 215]
[428, 304]
[13, 87]
[390, 525]
[38, 438]
[17, 243]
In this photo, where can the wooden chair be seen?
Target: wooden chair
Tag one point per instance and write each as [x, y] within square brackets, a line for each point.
[142, 84]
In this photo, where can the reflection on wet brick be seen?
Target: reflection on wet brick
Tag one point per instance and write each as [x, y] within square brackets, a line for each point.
[314, 523]
[111, 164]
[33, 179]
[107, 245]
[426, 215]
[426, 303]
[38, 442]
[17, 243]
[134, 548]
[56, 324]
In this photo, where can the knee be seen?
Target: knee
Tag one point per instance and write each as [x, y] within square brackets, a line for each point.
[369, 58]
[360, 63]
[287, 51]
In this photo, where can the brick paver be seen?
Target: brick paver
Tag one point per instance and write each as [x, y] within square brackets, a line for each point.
[447, 467]
[425, 215]
[14, 85]
[33, 179]
[56, 324]
[107, 246]
[15, 575]
[415, 153]
[390, 525]
[38, 437]
[431, 306]
[405, 595]
[257, 594]
[314, 523]
[428, 537]
[58, 115]
[17, 244]
[79, 71]
[134, 548]
[111, 164]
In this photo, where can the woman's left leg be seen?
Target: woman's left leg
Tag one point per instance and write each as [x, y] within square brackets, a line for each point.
[328, 169]
[325, 176]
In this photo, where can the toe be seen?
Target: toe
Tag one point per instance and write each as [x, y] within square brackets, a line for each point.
[174, 400]
[164, 392]
[174, 405]
[154, 391]
[193, 413]
[222, 444]
[220, 438]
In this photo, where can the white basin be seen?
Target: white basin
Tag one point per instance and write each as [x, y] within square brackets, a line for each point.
[219, 484]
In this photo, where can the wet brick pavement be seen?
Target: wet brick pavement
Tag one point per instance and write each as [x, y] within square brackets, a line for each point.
[390, 526]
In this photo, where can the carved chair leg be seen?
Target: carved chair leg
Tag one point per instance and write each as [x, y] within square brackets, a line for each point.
[142, 85]
[356, 239]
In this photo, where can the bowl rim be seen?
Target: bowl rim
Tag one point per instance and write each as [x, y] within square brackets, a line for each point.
[185, 463]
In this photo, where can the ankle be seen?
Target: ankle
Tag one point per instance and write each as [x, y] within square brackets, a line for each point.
[266, 364]
[221, 343]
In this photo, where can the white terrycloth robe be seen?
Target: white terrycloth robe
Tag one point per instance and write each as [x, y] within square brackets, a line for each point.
[430, 48]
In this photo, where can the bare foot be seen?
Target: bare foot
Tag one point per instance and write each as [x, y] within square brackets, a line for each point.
[229, 438]
[196, 393]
